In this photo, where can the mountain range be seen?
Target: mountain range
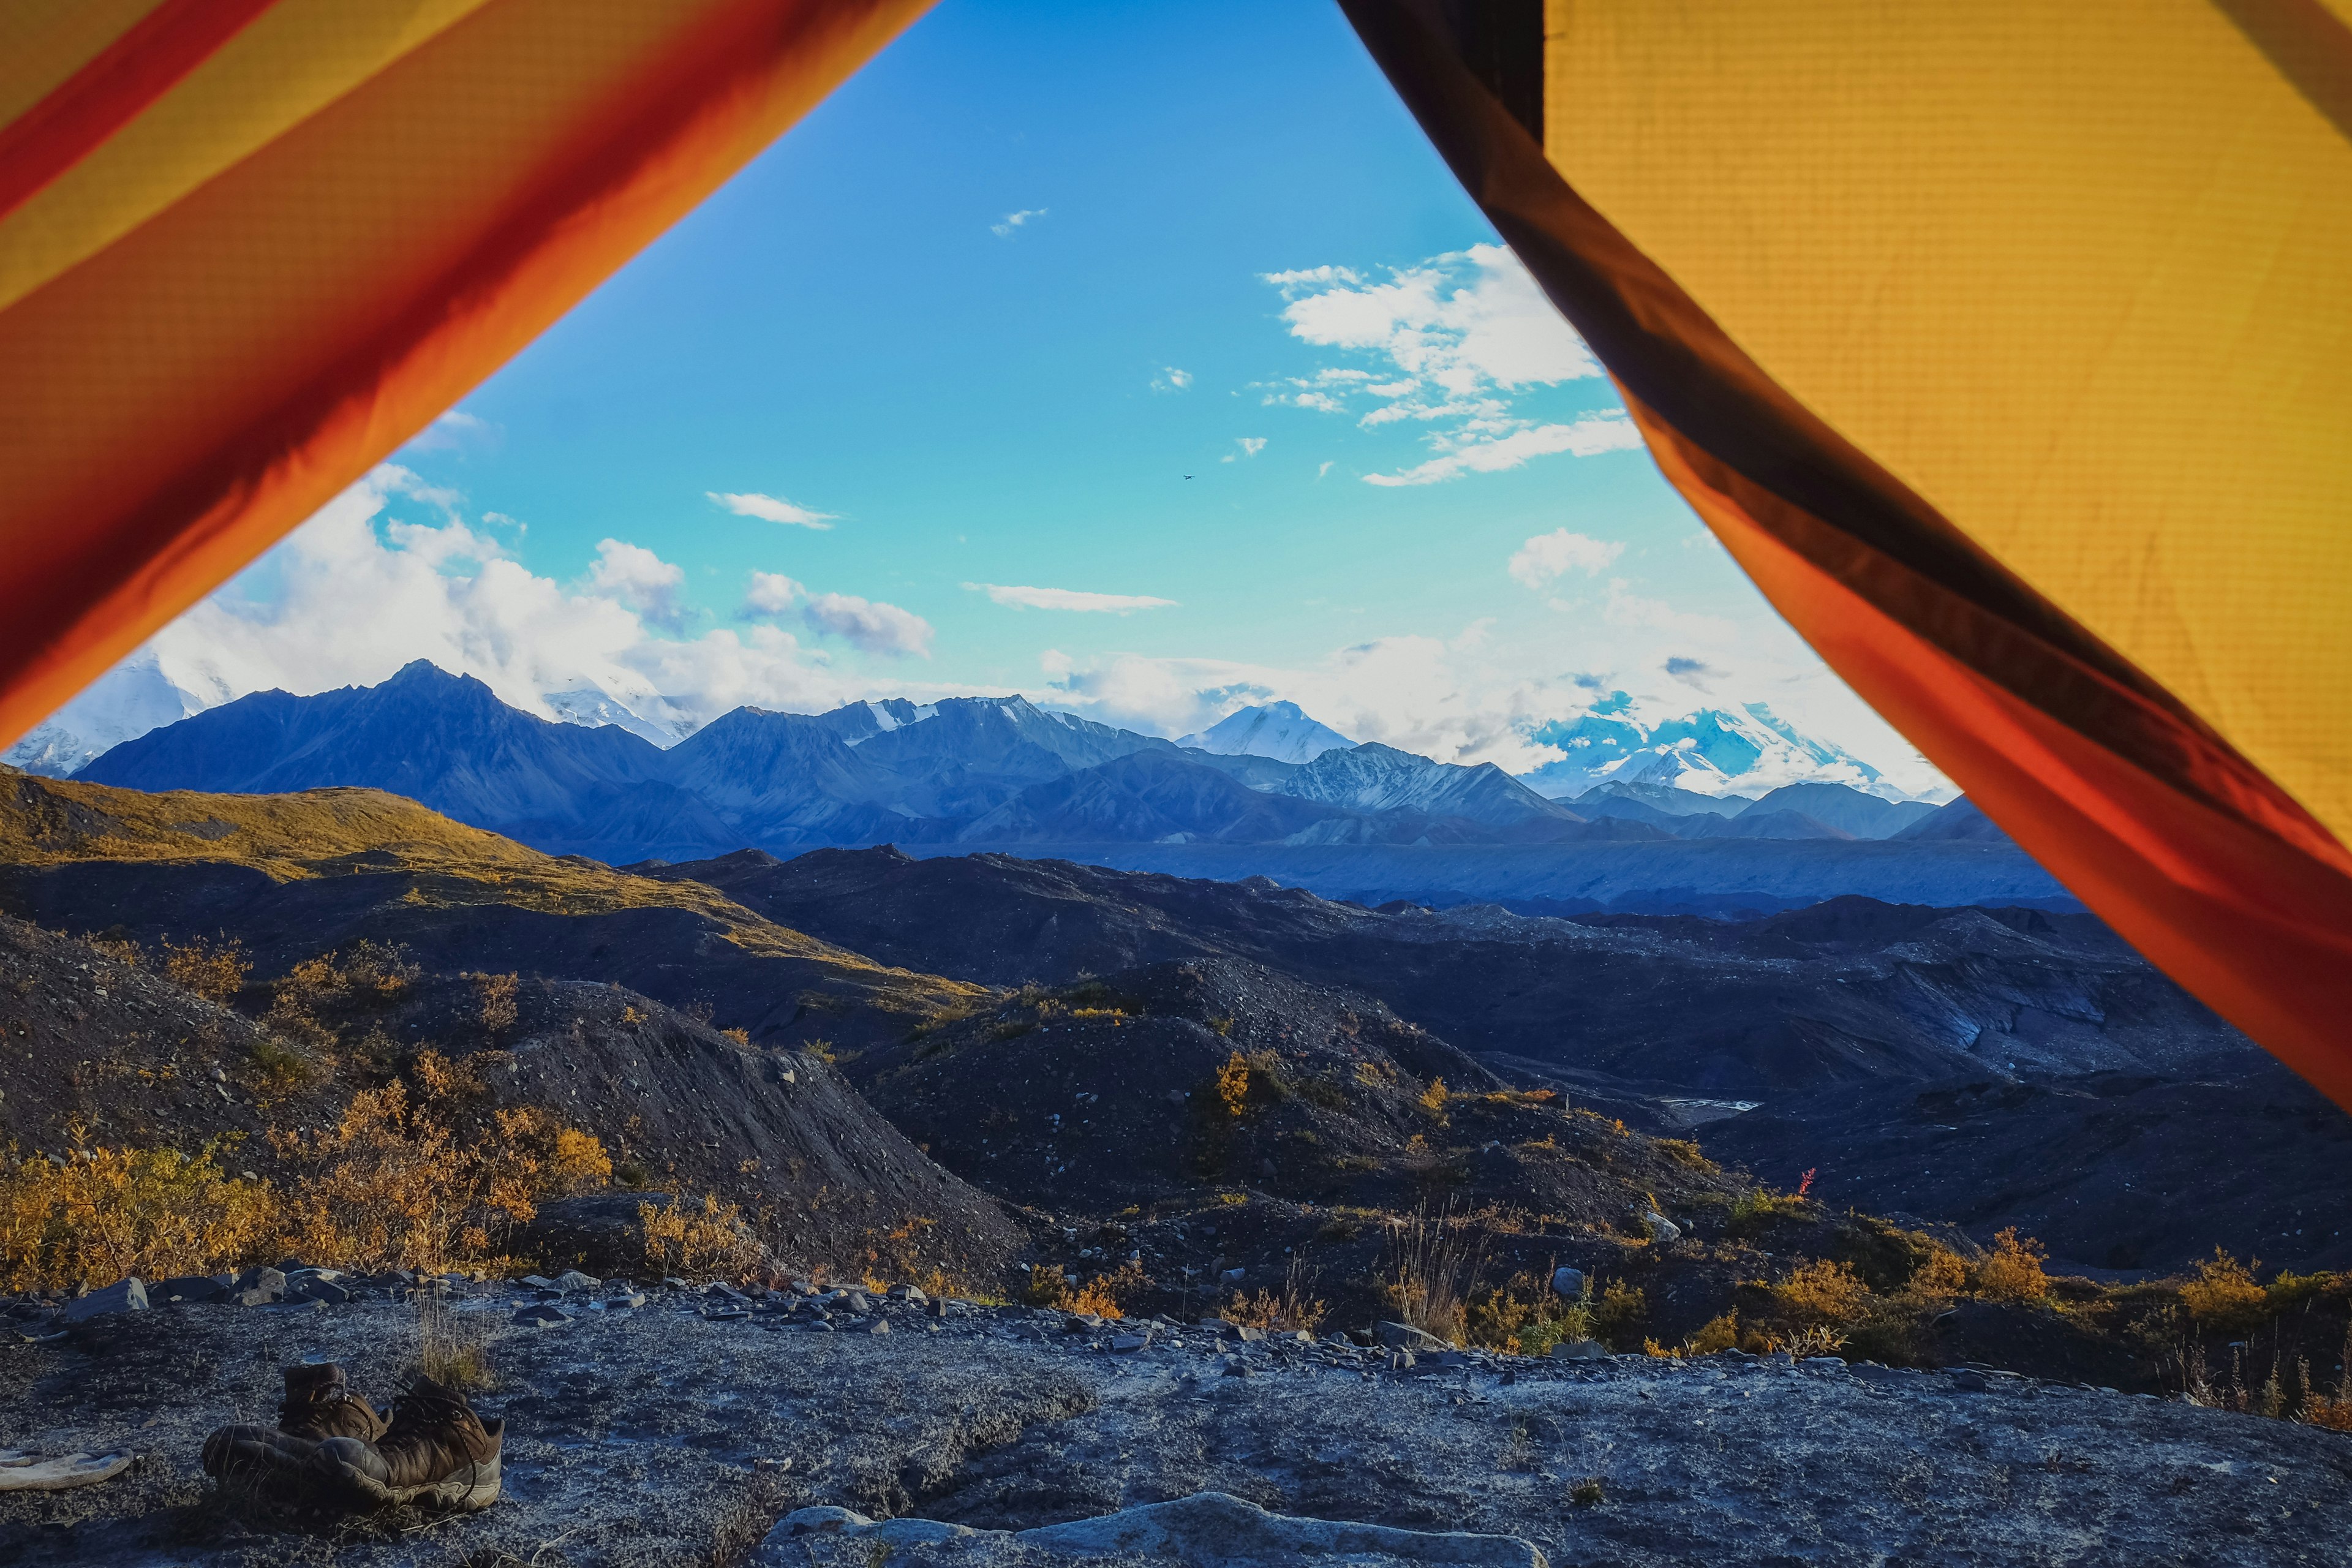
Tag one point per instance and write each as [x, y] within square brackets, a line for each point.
[963, 770]
[1708, 751]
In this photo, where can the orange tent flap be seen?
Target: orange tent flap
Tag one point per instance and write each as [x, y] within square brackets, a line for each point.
[1983, 474]
[314, 238]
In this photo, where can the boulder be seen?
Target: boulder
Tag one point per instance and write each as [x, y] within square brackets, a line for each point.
[543, 1315]
[1405, 1337]
[122, 1296]
[1661, 1227]
[571, 1280]
[1580, 1349]
[187, 1289]
[1569, 1282]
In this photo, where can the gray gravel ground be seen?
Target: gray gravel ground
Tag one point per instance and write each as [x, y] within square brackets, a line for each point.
[658, 1437]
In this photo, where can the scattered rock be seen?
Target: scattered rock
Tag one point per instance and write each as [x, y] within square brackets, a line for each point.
[571, 1280]
[122, 1296]
[1580, 1349]
[1661, 1227]
[1405, 1337]
[1569, 1282]
[875, 1325]
[187, 1289]
[545, 1315]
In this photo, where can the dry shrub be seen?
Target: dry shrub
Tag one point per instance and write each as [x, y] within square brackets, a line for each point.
[392, 1185]
[1233, 1085]
[1822, 1293]
[1944, 1276]
[1102, 1294]
[1047, 1286]
[1292, 1309]
[1433, 1099]
[494, 996]
[107, 1213]
[2013, 1271]
[1623, 1308]
[1683, 1151]
[1432, 1263]
[214, 970]
[681, 1240]
[1715, 1336]
[2223, 1297]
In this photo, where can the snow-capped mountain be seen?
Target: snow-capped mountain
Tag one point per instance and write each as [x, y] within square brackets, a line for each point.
[1374, 778]
[1746, 750]
[138, 695]
[647, 714]
[1276, 730]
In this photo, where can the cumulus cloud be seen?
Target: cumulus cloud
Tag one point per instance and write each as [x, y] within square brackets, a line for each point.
[771, 509]
[1693, 672]
[1459, 339]
[356, 593]
[1002, 228]
[653, 588]
[771, 594]
[870, 625]
[1021, 598]
[1170, 379]
[1551, 556]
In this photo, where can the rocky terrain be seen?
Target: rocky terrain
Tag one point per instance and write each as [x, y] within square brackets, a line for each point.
[661, 1434]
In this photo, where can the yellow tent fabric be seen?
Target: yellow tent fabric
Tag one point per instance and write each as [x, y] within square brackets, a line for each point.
[2080, 276]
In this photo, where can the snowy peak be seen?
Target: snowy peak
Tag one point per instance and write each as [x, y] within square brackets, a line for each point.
[138, 695]
[1373, 777]
[589, 705]
[1276, 730]
[1749, 750]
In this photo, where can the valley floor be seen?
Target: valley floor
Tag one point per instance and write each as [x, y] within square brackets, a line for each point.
[659, 1436]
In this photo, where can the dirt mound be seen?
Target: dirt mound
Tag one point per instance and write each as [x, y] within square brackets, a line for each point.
[102, 1049]
[1163, 1082]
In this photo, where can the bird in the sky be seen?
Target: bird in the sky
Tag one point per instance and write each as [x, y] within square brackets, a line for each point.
[1188, 476]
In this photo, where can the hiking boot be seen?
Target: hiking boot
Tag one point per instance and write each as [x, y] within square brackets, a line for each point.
[438, 1454]
[317, 1405]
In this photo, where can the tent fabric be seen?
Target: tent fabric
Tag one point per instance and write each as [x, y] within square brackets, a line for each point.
[248, 249]
[2005, 347]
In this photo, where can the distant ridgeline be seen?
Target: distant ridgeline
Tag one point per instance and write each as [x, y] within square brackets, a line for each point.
[1002, 774]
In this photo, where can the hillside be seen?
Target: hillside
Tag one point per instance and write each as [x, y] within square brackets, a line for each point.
[294, 876]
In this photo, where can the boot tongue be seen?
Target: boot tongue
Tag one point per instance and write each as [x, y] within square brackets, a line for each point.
[307, 1383]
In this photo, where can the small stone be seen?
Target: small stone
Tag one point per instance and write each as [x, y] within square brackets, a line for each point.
[622, 1303]
[674, 1283]
[122, 1296]
[537, 1282]
[1236, 1367]
[908, 1294]
[187, 1289]
[1129, 1343]
[1661, 1227]
[874, 1325]
[270, 1279]
[324, 1292]
[1401, 1361]
[725, 1314]
[819, 1326]
[1580, 1349]
[257, 1297]
[1234, 1276]
[720, 1291]
[855, 1301]
[571, 1280]
[1248, 1335]
[542, 1316]
[937, 1309]
[803, 1287]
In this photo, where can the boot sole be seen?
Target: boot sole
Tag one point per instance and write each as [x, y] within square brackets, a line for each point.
[470, 1491]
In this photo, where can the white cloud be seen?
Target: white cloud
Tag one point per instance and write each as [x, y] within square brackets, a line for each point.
[1251, 445]
[347, 599]
[1587, 436]
[453, 431]
[1170, 379]
[1554, 555]
[1066, 599]
[771, 509]
[653, 588]
[1002, 228]
[771, 594]
[869, 625]
[1460, 340]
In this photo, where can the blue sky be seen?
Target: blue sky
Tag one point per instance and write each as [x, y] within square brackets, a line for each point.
[1234, 258]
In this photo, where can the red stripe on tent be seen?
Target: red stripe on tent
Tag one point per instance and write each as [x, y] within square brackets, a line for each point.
[146, 62]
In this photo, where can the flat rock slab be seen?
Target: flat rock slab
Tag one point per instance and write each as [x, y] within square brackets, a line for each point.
[653, 1437]
[1207, 1529]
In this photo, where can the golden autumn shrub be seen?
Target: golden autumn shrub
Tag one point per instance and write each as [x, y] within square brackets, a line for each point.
[104, 1214]
[215, 971]
[2013, 1271]
[2223, 1297]
[684, 1239]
